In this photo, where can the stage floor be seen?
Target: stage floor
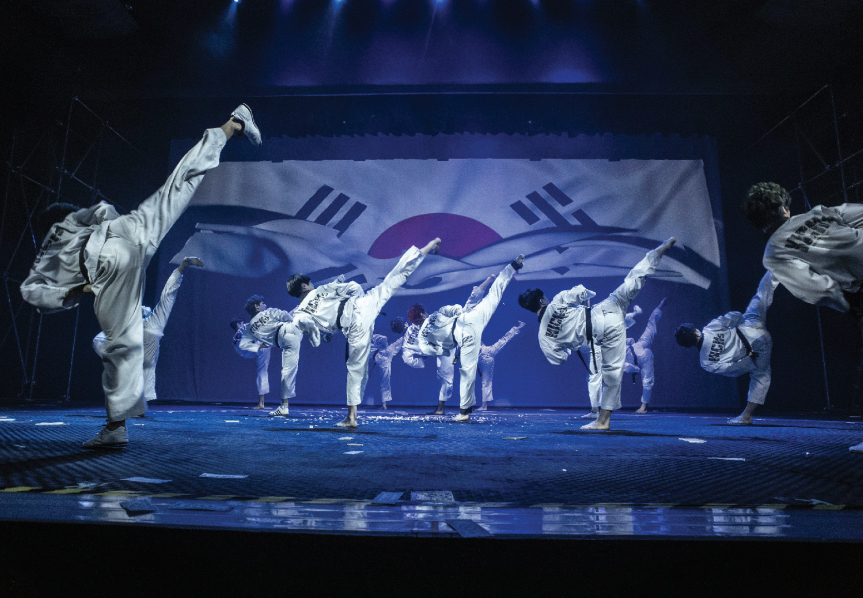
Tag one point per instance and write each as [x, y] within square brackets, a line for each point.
[508, 473]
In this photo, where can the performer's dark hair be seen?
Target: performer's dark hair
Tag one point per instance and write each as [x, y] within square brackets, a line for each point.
[531, 299]
[397, 325]
[235, 323]
[686, 336]
[295, 283]
[50, 216]
[763, 202]
[415, 313]
[252, 303]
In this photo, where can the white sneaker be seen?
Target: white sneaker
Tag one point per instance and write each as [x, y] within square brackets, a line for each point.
[857, 448]
[109, 438]
[244, 114]
[282, 410]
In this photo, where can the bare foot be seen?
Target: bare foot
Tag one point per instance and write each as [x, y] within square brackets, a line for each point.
[665, 246]
[439, 410]
[384, 406]
[596, 426]
[590, 415]
[642, 409]
[741, 420]
[347, 423]
[432, 247]
[260, 406]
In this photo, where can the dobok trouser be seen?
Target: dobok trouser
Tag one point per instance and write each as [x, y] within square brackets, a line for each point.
[118, 282]
[289, 338]
[359, 321]
[609, 329]
[262, 361]
[755, 330]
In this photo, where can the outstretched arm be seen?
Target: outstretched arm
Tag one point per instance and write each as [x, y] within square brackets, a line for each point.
[500, 344]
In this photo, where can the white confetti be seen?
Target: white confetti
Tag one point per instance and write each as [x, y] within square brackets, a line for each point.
[346, 438]
[6, 419]
[352, 452]
[232, 421]
[146, 480]
[693, 440]
[224, 476]
[727, 458]
[51, 424]
[353, 444]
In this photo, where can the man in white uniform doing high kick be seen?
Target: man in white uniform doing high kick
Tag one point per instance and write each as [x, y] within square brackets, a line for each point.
[737, 343]
[381, 356]
[568, 323]
[155, 321]
[487, 356]
[639, 357]
[345, 307]
[817, 256]
[452, 328]
[95, 250]
[276, 328]
[248, 347]
[412, 353]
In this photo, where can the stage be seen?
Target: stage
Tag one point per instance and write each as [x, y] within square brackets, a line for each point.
[223, 497]
[513, 473]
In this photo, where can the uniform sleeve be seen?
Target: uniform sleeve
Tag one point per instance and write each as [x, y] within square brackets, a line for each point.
[249, 344]
[851, 213]
[574, 296]
[796, 276]
[495, 348]
[159, 317]
[451, 310]
[47, 298]
[307, 326]
[735, 368]
[732, 319]
[557, 355]
[395, 347]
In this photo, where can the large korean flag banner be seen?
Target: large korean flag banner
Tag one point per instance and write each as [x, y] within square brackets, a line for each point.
[572, 218]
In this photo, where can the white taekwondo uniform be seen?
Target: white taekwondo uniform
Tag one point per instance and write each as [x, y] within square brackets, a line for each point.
[562, 327]
[639, 355]
[487, 355]
[413, 356]
[276, 328]
[594, 376]
[155, 321]
[115, 250]
[382, 355]
[723, 352]
[249, 347]
[818, 255]
[320, 310]
[452, 326]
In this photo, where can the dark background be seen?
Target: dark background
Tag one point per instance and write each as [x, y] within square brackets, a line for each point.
[161, 70]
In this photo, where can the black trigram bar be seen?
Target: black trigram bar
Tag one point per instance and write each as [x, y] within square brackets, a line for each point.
[525, 213]
[348, 219]
[331, 210]
[584, 219]
[558, 195]
[546, 208]
[313, 202]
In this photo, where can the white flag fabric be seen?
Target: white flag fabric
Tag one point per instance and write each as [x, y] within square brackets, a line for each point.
[572, 218]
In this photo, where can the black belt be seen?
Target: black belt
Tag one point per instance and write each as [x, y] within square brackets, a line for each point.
[588, 331]
[745, 343]
[339, 314]
[81, 261]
